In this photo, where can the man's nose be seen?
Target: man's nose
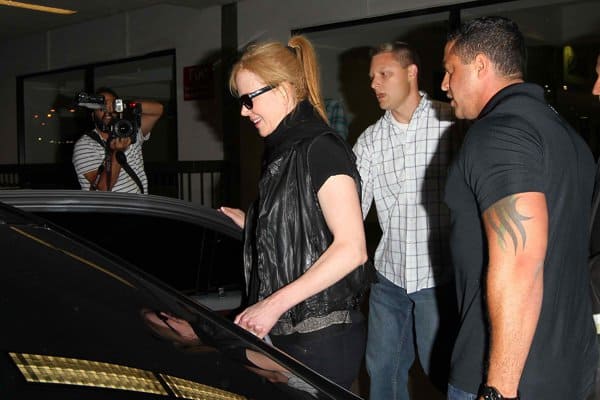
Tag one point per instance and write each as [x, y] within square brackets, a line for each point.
[444, 85]
[596, 88]
[374, 83]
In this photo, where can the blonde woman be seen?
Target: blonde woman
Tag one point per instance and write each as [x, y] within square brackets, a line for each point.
[305, 244]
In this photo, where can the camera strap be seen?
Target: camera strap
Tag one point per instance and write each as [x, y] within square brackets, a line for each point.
[106, 165]
[94, 185]
[122, 159]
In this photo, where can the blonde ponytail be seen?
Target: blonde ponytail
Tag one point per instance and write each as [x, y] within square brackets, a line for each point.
[307, 57]
[275, 63]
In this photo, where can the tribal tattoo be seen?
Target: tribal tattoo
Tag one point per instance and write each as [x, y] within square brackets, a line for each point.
[505, 220]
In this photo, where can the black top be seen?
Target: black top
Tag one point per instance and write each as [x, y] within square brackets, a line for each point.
[594, 262]
[326, 156]
[286, 231]
[520, 144]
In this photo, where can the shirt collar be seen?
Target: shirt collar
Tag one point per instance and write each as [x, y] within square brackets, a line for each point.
[521, 88]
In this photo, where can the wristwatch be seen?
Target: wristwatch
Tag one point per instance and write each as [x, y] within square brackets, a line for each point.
[491, 393]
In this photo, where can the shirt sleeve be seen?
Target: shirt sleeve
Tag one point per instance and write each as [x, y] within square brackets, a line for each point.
[87, 156]
[140, 136]
[337, 117]
[504, 159]
[328, 157]
[364, 159]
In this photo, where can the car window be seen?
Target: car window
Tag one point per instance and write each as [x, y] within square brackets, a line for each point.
[191, 258]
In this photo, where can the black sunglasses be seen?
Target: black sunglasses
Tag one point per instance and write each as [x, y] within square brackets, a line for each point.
[246, 99]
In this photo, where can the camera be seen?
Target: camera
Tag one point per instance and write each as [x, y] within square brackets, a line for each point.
[126, 120]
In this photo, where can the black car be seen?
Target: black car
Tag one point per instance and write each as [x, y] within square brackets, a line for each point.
[82, 323]
[193, 248]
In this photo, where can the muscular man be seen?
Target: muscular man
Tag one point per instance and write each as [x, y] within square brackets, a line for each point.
[595, 245]
[519, 195]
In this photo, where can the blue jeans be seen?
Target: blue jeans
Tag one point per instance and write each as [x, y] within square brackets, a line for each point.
[455, 393]
[401, 325]
[595, 395]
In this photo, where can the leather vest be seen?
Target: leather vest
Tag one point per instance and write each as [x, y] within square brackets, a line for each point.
[286, 233]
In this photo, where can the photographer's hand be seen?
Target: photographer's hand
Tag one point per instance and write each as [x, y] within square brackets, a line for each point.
[112, 167]
[119, 144]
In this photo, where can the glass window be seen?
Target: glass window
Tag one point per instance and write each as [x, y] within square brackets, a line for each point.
[190, 257]
[49, 118]
[51, 122]
[148, 78]
[344, 60]
[563, 41]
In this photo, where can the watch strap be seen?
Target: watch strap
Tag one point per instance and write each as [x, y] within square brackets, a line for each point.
[491, 393]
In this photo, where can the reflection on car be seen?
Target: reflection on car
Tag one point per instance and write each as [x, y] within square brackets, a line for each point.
[81, 323]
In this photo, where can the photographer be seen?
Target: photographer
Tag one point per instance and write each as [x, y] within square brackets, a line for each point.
[108, 161]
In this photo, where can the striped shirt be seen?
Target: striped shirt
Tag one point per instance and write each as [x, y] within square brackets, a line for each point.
[404, 172]
[88, 154]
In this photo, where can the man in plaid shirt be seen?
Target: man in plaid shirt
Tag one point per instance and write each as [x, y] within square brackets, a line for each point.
[337, 116]
[402, 160]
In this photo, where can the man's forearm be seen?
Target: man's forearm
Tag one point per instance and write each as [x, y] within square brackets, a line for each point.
[514, 298]
[114, 168]
[151, 112]
[151, 108]
[517, 233]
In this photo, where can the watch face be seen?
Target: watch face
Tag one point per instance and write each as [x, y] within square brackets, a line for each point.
[489, 393]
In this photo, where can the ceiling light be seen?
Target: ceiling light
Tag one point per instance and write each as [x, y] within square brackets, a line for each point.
[36, 7]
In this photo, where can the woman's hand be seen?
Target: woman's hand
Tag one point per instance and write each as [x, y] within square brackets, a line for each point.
[237, 216]
[339, 201]
[179, 326]
[169, 327]
[259, 318]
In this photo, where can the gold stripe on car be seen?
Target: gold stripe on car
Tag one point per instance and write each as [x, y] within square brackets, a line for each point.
[196, 391]
[71, 371]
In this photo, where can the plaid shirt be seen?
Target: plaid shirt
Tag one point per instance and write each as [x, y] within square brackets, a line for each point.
[405, 173]
[337, 117]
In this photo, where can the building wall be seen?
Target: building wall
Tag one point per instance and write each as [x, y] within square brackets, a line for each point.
[274, 20]
[194, 34]
[196, 37]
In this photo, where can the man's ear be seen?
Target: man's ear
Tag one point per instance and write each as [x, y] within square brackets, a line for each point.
[482, 64]
[413, 71]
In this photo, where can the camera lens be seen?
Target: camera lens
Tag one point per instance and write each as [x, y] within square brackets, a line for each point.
[123, 128]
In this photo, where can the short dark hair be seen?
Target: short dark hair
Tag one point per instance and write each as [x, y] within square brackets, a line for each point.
[498, 38]
[106, 89]
[403, 52]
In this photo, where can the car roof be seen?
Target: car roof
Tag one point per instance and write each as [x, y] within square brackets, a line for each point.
[47, 200]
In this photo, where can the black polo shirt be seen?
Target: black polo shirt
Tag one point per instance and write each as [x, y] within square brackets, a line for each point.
[520, 144]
